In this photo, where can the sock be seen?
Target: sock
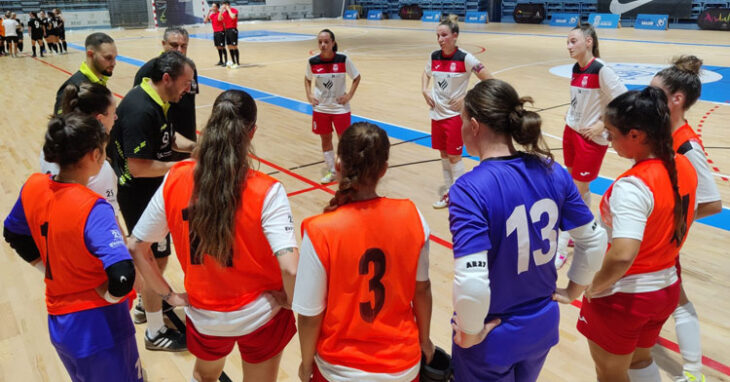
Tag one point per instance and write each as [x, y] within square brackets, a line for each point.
[329, 159]
[65, 46]
[587, 199]
[220, 55]
[563, 238]
[457, 169]
[53, 47]
[238, 62]
[225, 55]
[647, 374]
[446, 170]
[33, 49]
[43, 48]
[687, 326]
[20, 46]
[154, 323]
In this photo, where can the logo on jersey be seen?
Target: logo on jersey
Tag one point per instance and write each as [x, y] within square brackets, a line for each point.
[476, 264]
[443, 84]
[117, 238]
[584, 173]
[328, 84]
[453, 67]
[584, 81]
[581, 318]
[334, 67]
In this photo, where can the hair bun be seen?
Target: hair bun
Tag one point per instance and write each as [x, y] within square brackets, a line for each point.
[688, 63]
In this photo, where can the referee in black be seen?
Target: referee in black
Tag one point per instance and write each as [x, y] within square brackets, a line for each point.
[141, 151]
[97, 67]
[182, 113]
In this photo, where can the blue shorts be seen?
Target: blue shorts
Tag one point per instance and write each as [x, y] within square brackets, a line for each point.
[515, 350]
[97, 344]
[117, 364]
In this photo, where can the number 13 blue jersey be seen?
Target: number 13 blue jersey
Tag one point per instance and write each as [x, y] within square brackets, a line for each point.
[512, 207]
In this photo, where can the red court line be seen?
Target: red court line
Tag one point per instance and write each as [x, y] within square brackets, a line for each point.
[302, 191]
[709, 362]
[699, 133]
[66, 71]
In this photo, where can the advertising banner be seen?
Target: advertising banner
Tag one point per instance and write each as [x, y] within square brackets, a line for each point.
[655, 22]
[603, 20]
[564, 19]
[680, 9]
[476, 17]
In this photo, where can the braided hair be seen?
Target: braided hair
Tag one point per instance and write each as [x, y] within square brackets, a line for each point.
[363, 152]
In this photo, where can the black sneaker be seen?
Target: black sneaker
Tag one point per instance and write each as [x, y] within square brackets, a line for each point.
[138, 313]
[166, 340]
[220, 63]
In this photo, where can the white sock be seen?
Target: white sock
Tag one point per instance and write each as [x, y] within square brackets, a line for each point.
[687, 326]
[155, 323]
[647, 374]
[563, 239]
[457, 169]
[446, 169]
[329, 159]
[587, 199]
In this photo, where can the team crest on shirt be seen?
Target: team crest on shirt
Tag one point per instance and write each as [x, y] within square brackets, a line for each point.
[453, 66]
[584, 81]
[334, 67]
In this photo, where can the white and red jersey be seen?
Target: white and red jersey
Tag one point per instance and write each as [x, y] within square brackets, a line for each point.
[217, 24]
[591, 89]
[450, 79]
[330, 81]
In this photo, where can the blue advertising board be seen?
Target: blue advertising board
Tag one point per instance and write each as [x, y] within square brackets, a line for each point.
[656, 22]
[476, 17]
[375, 14]
[603, 20]
[350, 14]
[431, 16]
[564, 19]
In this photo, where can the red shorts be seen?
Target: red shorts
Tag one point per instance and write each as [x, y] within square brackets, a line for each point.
[318, 377]
[261, 345]
[582, 155]
[622, 322]
[446, 135]
[322, 123]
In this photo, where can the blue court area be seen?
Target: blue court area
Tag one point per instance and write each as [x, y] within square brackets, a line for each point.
[261, 36]
[598, 186]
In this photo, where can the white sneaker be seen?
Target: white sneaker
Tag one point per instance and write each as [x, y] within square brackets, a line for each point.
[229, 63]
[560, 259]
[689, 377]
[328, 178]
[441, 203]
[234, 66]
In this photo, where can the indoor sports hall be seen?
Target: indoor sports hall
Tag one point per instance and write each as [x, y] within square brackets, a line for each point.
[390, 56]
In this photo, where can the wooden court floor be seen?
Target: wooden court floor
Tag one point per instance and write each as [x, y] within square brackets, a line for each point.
[390, 56]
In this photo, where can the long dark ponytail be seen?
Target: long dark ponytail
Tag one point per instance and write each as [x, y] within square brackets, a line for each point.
[363, 152]
[647, 111]
[220, 173]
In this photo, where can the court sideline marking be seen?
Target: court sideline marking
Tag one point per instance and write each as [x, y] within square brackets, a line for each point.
[598, 186]
[709, 362]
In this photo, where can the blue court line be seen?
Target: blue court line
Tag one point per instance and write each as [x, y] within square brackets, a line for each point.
[598, 186]
[563, 36]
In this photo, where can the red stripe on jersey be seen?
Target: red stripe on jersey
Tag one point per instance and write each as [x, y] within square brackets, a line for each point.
[585, 81]
[331, 67]
[448, 66]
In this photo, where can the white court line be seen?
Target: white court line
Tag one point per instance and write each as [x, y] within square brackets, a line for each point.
[202, 106]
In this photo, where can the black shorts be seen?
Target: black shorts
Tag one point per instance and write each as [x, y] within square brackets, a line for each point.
[232, 36]
[132, 202]
[11, 39]
[61, 33]
[36, 36]
[219, 38]
[50, 33]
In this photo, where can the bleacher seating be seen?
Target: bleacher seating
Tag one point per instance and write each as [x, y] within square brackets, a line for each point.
[585, 7]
